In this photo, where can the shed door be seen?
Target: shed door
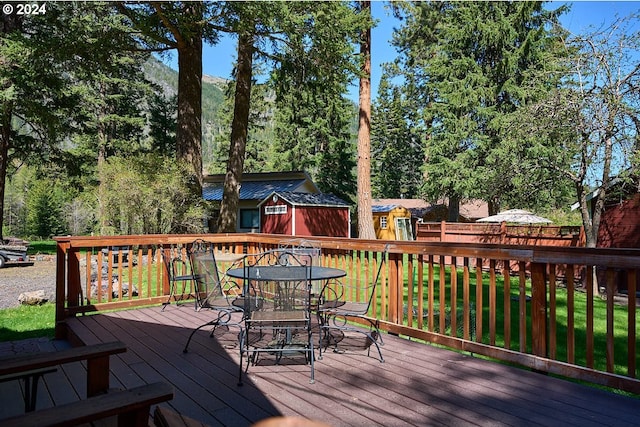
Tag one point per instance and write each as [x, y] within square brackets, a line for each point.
[403, 229]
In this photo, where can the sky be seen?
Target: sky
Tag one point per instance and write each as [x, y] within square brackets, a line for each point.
[218, 60]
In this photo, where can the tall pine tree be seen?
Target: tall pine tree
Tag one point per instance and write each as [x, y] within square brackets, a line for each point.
[467, 65]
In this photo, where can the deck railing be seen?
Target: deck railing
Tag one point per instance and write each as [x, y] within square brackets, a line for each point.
[538, 307]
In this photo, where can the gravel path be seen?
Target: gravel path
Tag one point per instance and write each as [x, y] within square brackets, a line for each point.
[17, 279]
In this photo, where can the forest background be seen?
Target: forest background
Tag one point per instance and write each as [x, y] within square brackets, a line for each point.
[492, 101]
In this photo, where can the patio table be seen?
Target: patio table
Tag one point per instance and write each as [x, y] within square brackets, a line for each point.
[285, 273]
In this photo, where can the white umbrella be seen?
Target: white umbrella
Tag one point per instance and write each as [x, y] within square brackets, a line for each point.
[518, 216]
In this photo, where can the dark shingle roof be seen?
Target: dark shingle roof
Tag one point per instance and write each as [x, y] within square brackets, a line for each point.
[383, 208]
[252, 190]
[311, 199]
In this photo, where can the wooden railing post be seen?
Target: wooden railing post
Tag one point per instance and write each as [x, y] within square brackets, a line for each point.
[74, 287]
[61, 298]
[538, 310]
[395, 288]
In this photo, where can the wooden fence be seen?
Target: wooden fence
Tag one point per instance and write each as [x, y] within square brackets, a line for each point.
[463, 296]
[534, 235]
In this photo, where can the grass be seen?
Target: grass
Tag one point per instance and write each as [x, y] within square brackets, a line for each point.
[27, 322]
[580, 303]
[42, 247]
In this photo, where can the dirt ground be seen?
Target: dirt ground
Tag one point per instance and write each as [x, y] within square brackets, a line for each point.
[15, 280]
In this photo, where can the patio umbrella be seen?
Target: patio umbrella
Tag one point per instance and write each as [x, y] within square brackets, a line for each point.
[518, 216]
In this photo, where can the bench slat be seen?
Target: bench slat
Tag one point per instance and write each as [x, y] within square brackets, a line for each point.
[127, 405]
[29, 362]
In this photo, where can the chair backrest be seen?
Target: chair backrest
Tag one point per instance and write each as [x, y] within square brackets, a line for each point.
[305, 251]
[280, 280]
[174, 264]
[368, 288]
[206, 274]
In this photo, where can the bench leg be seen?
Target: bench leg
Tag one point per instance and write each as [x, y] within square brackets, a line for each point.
[31, 392]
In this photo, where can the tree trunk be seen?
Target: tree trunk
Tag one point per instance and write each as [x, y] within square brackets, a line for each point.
[8, 24]
[454, 209]
[239, 130]
[5, 140]
[365, 217]
[102, 158]
[189, 130]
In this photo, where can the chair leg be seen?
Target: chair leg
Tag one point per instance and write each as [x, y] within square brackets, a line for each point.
[212, 323]
[373, 336]
[311, 357]
[241, 339]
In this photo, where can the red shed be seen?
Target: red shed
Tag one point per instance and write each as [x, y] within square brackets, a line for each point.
[620, 227]
[305, 214]
[620, 224]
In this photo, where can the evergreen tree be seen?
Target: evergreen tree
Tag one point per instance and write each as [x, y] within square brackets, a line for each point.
[397, 154]
[313, 120]
[467, 65]
[181, 26]
[162, 123]
[306, 41]
[44, 204]
[42, 98]
[365, 218]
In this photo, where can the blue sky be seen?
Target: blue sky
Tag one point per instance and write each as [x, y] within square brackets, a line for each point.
[218, 60]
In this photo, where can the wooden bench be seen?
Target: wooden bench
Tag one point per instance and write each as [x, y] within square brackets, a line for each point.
[165, 417]
[131, 407]
[97, 357]
[31, 379]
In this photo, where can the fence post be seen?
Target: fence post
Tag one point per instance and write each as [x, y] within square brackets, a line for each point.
[443, 231]
[538, 310]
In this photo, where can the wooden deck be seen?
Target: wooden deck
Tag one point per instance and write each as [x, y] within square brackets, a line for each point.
[417, 385]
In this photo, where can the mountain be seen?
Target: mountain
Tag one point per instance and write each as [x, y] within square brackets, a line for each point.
[213, 89]
[167, 78]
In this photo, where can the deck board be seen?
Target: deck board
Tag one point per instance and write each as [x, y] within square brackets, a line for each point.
[417, 385]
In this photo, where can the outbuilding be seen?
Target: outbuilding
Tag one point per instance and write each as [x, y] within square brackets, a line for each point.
[392, 222]
[305, 214]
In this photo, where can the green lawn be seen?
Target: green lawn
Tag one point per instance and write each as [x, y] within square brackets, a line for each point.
[580, 304]
[27, 322]
[42, 247]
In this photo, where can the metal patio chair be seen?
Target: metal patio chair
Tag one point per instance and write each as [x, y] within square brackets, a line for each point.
[178, 272]
[341, 303]
[225, 300]
[278, 323]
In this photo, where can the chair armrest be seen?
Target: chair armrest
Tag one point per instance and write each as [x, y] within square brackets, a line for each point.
[131, 406]
[331, 295]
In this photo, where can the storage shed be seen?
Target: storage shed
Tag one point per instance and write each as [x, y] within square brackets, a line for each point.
[305, 214]
[392, 222]
[254, 188]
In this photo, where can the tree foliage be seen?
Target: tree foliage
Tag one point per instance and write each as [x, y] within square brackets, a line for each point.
[313, 119]
[44, 97]
[586, 130]
[44, 204]
[149, 194]
[467, 66]
[397, 152]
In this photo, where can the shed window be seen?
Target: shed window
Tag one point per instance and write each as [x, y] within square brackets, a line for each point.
[249, 218]
[383, 222]
[275, 210]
